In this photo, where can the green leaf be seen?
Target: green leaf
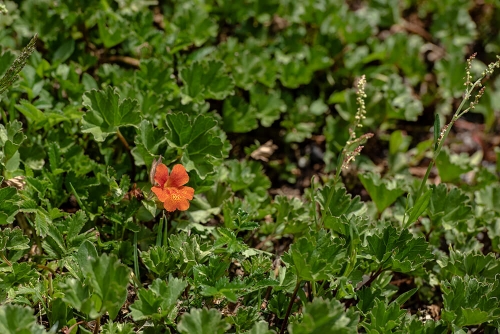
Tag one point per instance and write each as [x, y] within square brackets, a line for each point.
[205, 80]
[489, 197]
[260, 327]
[295, 73]
[419, 207]
[198, 139]
[149, 143]
[267, 104]
[326, 316]
[13, 239]
[316, 256]
[106, 113]
[202, 321]
[64, 51]
[383, 192]
[78, 295]
[15, 319]
[473, 264]
[244, 318]
[8, 205]
[292, 214]
[451, 165]
[20, 273]
[32, 113]
[383, 318]
[118, 328]
[469, 301]
[337, 202]
[239, 116]
[193, 25]
[448, 208]
[227, 242]
[231, 290]
[11, 138]
[107, 278]
[159, 260]
[111, 28]
[159, 301]
[399, 251]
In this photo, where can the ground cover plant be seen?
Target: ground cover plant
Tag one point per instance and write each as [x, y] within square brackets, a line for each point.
[216, 166]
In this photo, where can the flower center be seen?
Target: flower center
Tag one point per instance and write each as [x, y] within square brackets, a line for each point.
[176, 197]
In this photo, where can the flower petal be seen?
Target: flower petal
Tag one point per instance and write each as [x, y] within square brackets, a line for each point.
[186, 192]
[161, 175]
[183, 205]
[170, 205]
[160, 193]
[177, 198]
[178, 177]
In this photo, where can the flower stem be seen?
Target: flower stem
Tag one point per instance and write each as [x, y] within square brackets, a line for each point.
[444, 134]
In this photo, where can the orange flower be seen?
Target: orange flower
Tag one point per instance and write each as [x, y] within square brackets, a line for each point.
[170, 189]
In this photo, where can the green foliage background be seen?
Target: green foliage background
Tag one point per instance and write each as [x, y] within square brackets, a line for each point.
[113, 84]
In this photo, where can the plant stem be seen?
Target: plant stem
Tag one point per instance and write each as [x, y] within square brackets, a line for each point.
[136, 258]
[165, 229]
[447, 128]
[313, 200]
[129, 152]
[97, 325]
[289, 309]
[159, 234]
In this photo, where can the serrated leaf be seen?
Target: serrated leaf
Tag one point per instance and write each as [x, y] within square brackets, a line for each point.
[469, 301]
[205, 80]
[159, 301]
[316, 256]
[268, 105]
[337, 202]
[106, 113]
[239, 116]
[383, 318]
[149, 142]
[8, 205]
[18, 319]
[119, 328]
[383, 192]
[244, 318]
[473, 264]
[399, 251]
[326, 316]
[159, 260]
[110, 26]
[448, 207]
[13, 239]
[227, 242]
[108, 279]
[201, 146]
[202, 321]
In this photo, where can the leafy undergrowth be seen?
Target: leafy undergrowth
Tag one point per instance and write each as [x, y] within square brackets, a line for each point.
[249, 167]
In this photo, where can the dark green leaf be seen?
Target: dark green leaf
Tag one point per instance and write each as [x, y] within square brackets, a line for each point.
[202, 321]
[106, 113]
